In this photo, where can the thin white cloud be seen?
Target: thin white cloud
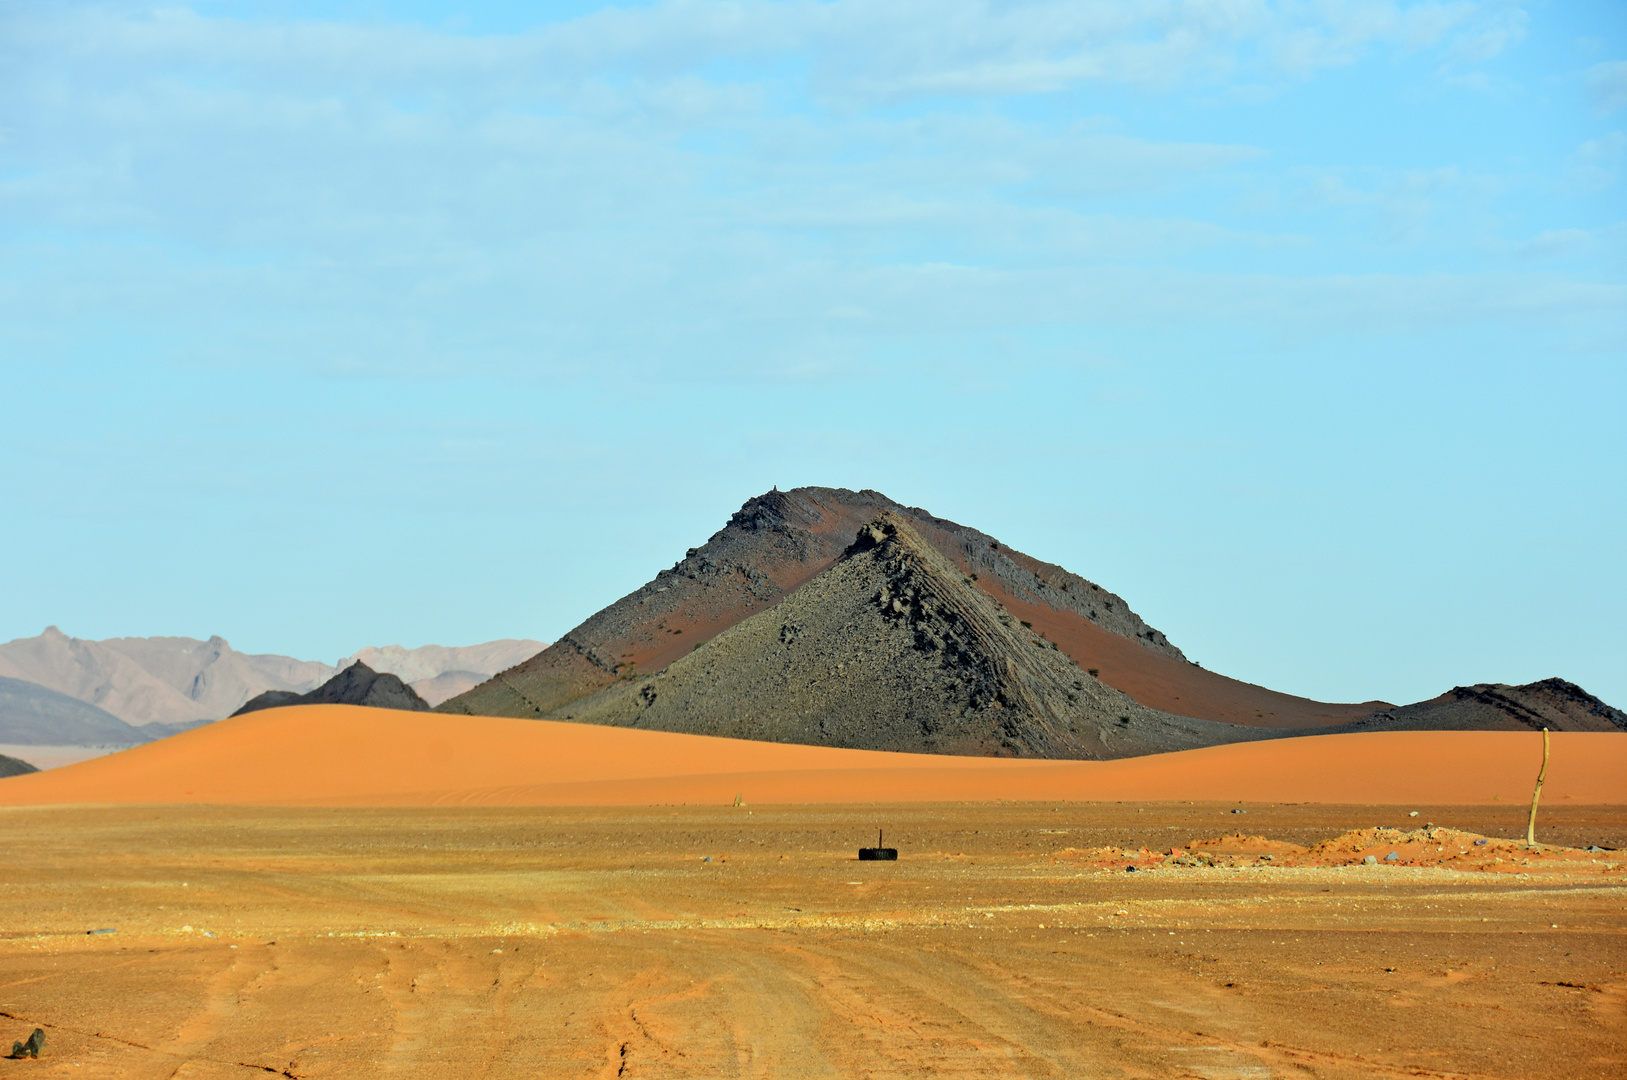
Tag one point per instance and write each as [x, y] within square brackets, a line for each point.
[1489, 35]
[859, 48]
[605, 195]
[1607, 85]
[1597, 163]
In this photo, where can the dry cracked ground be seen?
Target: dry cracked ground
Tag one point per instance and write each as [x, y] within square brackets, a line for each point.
[717, 942]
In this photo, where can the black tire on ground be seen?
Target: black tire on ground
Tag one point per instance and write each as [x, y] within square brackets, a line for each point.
[878, 854]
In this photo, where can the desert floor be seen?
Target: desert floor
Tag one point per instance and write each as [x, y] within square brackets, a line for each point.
[534, 942]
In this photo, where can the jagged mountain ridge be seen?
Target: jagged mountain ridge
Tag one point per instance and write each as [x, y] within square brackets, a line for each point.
[893, 647]
[160, 686]
[160, 680]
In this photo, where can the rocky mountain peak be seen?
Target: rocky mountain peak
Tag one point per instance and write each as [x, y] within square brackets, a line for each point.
[891, 647]
[774, 544]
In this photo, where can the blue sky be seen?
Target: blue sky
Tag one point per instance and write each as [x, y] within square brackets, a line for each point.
[1303, 326]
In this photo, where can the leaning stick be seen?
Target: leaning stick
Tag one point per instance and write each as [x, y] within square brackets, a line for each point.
[1531, 823]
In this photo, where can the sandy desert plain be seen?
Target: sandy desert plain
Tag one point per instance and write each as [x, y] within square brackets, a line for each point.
[342, 892]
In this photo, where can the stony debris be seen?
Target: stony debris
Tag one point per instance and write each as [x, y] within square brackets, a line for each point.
[1428, 847]
[30, 1048]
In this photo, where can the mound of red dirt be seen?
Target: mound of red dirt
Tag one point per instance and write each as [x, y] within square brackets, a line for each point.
[1430, 846]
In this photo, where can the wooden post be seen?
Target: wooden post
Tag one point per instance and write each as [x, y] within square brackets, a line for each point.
[1531, 824]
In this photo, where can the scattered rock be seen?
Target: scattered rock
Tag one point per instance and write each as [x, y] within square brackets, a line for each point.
[31, 1048]
[1371, 860]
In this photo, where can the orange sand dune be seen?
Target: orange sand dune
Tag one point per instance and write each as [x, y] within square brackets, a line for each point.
[340, 755]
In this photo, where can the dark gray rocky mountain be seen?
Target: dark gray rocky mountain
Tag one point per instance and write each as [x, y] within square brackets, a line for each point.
[1551, 703]
[772, 546]
[34, 715]
[894, 648]
[10, 766]
[357, 684]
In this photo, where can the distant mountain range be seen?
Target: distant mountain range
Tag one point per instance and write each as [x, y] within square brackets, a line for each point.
[843, 618]
[34, 715]
[163, 680]
[57, 690]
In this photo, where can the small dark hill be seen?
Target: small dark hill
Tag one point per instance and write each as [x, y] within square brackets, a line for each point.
[1552, 703]
[34, 715]
[779, 541]
[894, 648]
[10, 766]
[357, 684]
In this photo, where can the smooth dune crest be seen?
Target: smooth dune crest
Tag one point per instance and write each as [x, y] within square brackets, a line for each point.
[339, 755]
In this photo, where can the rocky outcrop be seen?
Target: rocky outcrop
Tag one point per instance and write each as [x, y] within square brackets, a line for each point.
[357, 684]
[893, 647]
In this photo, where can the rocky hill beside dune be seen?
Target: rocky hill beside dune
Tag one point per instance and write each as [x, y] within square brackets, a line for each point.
[774, 544]
[893, 648]
[1551, 703]
[357, 684]
[836, 617]
[779, 541]
[10, 766]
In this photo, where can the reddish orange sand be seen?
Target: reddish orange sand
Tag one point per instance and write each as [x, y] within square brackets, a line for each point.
[337, 755]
